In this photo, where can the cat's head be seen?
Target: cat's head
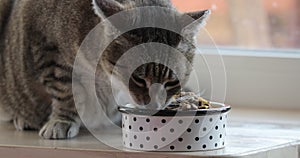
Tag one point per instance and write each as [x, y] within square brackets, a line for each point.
[145, 76]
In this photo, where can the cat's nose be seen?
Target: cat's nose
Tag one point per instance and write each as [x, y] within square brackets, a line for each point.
[158, 96]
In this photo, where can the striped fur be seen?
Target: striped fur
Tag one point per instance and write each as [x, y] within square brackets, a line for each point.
[38, 50]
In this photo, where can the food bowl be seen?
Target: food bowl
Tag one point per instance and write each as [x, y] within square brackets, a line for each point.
[169, 130]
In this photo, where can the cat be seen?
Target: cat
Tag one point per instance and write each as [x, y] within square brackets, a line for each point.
[39, 42]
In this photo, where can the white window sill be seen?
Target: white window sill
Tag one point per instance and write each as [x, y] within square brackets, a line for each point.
[251, 133]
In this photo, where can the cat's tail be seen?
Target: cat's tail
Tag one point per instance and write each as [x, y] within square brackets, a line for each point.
[5, 10]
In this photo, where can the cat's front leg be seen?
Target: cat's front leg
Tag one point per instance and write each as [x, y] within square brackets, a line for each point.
[62, 124]
[64, 121]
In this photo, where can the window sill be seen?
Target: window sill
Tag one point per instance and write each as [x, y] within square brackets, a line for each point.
[251, 133]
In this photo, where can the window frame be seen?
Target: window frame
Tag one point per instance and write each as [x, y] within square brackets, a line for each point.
[259, 78]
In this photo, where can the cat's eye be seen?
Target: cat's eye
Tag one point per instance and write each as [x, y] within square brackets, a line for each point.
[138, 81]
[172, 84]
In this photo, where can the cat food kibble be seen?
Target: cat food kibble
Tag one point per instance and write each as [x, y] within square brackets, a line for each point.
[187, 101]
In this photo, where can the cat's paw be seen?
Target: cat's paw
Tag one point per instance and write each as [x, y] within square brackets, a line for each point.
[20, 124]
[59, 129]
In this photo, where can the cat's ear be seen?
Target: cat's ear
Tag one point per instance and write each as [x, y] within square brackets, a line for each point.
[200, 18]
[106, 8]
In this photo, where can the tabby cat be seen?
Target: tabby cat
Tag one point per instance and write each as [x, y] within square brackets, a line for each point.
[39, 42]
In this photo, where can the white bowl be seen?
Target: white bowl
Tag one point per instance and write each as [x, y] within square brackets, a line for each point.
[168, 130]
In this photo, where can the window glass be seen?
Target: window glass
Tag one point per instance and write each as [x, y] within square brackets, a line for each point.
[256, 24]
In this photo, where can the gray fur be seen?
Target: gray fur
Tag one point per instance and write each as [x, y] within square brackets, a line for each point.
[39, 42]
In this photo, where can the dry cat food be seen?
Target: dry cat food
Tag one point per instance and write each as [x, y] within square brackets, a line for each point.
[187, 101]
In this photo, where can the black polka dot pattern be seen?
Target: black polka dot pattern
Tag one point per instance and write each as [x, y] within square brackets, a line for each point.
[172, 130]
[180, 139]
[147, 120]
[172, 147]
[189, 130]
[205, 134]
[147, 138]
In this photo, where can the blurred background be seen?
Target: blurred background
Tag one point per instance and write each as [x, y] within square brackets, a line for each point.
[254, 24]
[259, 41]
